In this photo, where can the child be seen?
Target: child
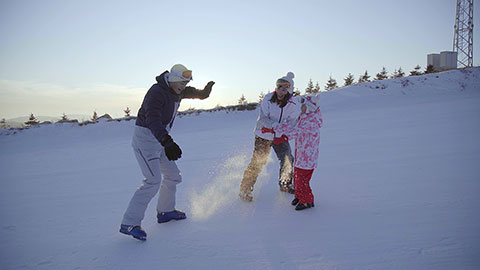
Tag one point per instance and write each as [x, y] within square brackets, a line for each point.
[307, 140]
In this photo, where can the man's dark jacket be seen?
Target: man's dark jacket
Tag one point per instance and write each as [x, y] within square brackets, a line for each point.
[158, 107]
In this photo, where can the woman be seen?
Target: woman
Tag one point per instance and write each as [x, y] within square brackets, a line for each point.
[277, 108]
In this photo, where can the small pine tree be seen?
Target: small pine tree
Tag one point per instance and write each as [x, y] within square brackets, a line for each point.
[316, 89]
[127, 112]
[382, 75]
[429, 69]
[364, 78]
[261, 97]
[242, 100]
[394, 74]
[309, 89]
[3, 124]
[95, 116]
[296, 92]
[349, 80]
[331, 84]
[416, 71]
[31, 121]
[398, 73]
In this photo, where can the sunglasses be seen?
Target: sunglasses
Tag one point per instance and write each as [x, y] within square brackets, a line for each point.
[284, 85]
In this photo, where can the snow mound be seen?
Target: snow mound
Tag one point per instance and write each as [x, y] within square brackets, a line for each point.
[396, 188]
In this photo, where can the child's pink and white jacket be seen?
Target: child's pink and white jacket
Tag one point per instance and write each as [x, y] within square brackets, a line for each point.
[306, 133]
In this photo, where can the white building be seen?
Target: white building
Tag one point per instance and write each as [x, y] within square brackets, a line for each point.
[434, 60]
[443, 61]
[448, 60]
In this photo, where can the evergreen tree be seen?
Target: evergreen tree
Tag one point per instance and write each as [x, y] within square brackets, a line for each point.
[309, 89]
[429, 69]
[416, 71]
[31, 121]
[261, 97]
[331, 84]
[296, 92]
[127, 112]
[95, 116]
[382, 75]
[316, 89]
[364, 78]
[398, 73]
[3, 124]
[349, 79]
[242, 100]
[394, 74]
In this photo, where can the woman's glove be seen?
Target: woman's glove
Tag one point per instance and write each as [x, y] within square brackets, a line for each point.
[172, 150]
[267, 130]
[280, 140]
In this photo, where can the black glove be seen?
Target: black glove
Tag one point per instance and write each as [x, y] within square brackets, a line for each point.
[172, 150]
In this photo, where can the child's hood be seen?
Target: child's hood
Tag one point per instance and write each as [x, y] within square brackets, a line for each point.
[311, 101]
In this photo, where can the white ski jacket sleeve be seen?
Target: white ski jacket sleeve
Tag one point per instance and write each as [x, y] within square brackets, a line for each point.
[271, 115]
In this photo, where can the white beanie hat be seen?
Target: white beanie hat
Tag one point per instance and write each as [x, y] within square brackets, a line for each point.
[179, 73]
[289, 78]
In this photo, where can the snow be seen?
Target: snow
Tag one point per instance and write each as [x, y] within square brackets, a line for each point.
[396, 188]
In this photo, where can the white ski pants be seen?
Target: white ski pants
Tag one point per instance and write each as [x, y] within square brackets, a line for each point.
[154, 164]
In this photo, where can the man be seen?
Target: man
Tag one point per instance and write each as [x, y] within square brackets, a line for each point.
[156, 151]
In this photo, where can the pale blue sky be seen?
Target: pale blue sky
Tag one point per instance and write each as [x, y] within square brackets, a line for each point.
[80, 56]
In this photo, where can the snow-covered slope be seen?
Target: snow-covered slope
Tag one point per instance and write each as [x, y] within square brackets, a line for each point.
[397, 188]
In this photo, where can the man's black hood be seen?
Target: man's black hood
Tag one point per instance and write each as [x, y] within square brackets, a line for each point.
[162, 82]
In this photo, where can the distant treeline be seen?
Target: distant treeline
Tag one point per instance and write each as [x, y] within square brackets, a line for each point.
[350, 80]
[32, 122]
[243, 103]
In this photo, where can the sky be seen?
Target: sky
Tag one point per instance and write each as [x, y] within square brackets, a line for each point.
[77, 57]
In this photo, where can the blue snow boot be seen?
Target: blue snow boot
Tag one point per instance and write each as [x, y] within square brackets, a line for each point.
[163, 217]
[136, 231]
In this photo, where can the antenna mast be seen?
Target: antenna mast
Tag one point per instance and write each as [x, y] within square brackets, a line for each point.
[463, 34]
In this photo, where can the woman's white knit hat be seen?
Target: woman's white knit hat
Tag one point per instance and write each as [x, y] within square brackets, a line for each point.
[289, 78]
